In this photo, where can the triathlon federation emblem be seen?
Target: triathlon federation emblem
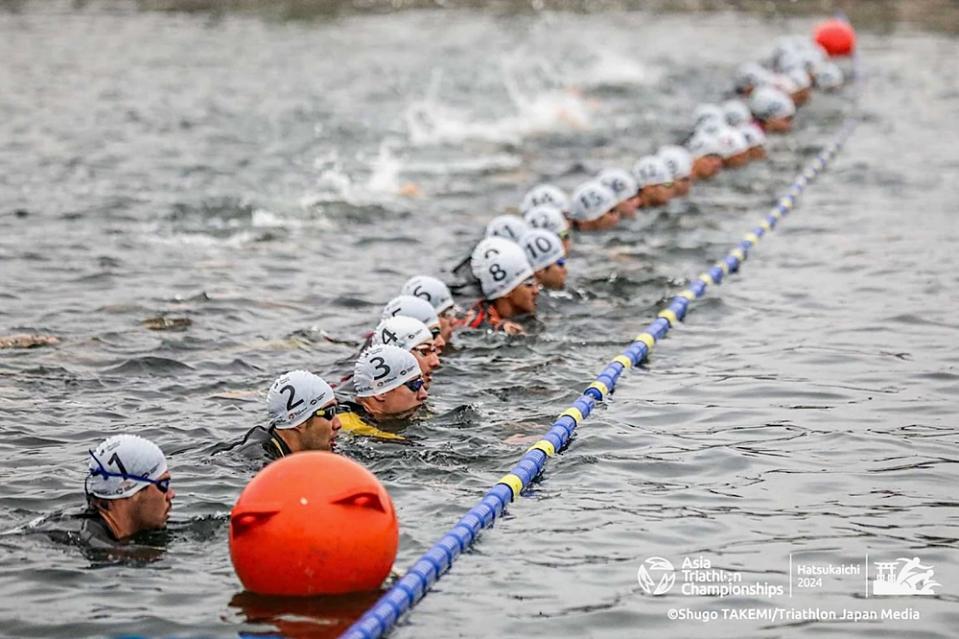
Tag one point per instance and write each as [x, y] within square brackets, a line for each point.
[903, 577]
[656, 576]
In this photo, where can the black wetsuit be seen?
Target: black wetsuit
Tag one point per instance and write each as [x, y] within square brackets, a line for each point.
[258, 444]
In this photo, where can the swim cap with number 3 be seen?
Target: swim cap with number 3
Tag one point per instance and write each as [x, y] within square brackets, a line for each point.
[383, 368]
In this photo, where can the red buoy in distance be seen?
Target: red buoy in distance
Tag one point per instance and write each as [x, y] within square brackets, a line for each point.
[836, 36]
[313, 523]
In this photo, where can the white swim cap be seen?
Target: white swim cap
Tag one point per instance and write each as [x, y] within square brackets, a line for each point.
[592, 201]
[501, 269]
[707, 113]
[678, 161]
[788, 61]
[383, 368]
[736, 112]
[118, 460]
[294, 397]
[711, 127]
[545, 194]
[430, 289]
[546, 216]
[409, 306]
[782, 82]
[405, 332]
[800, 77]
[754, 134]
[620, 182]
[828, 76]
[651, 170]
[485, 251]
[768, 102]
[731, 142]
[511, 227]
[703, 144]
[542, 248]
[749, 74]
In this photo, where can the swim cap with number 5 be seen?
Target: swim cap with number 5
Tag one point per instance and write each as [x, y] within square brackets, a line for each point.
[591, 201]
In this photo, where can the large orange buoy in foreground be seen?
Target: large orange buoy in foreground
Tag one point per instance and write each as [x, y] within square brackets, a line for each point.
[313, 523]
[837, 37]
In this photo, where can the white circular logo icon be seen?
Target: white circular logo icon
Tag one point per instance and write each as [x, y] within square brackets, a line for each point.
[656, 576]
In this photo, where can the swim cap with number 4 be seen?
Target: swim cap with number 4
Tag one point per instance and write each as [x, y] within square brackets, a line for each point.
[502, 270]
[592, 201]
[294, 397]
[383, 368]
[405, 332]
[430, 289]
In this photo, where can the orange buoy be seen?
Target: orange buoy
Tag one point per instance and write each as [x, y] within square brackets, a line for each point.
[313, 523]
[836, 36]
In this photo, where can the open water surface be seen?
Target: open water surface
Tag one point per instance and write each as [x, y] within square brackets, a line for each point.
[276, 182]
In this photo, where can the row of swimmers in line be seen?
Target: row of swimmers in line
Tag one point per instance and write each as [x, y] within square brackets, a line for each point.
[128, 486]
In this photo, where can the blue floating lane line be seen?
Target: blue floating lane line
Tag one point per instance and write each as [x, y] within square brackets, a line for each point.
[434, 563]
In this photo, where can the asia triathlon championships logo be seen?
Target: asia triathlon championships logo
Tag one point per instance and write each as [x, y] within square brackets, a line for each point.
[656, 576]
[904, 577]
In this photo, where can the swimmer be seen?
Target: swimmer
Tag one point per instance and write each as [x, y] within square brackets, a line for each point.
[128, 490]
[389, 389]
[438, 295]
[773, 109]
[734, 148]
[803, 81]
[654, 179]
[707, 156]
[550, 218]
[509, 287]
[417, 308]
[594, 207]
[411, 335]
[624, 187]
[303, 415]
[755, 139]
[680, 165]
[546, 194]
[510, 227]
[546, 256]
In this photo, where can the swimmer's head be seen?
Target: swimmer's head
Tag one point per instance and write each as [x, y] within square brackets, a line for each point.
[128, 482]
[438, 295]
[734, 148]
[547, 216]
[654, 179]
[624, 187]
[501, 269]
[755, 139]
[680, 165]
[411, 335]
[594, 207]
[773, 108]
[388, 382]
[736, 112]
[707, 155]
[827, 76]
[546, 194]
[749, 76]
[509, 227]
[545, 253]
[301, 406]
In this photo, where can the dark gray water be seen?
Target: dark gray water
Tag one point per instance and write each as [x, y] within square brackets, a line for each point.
[273, 182]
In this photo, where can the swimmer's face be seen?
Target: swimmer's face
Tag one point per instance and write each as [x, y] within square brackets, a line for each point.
[523, 297]
[757, 153]
[446, 326]
[152, 505]
[681, 186]
[608, 221]
[320, 433]
[429, 360]
[402, 402]
[626, 209]
[439, 342]
[738, 160]
[553, 276]
[657, 194]
[779, 125]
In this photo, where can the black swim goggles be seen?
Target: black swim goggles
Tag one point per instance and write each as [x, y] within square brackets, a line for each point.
[415, 384]
[330, 412]
[162, 485]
